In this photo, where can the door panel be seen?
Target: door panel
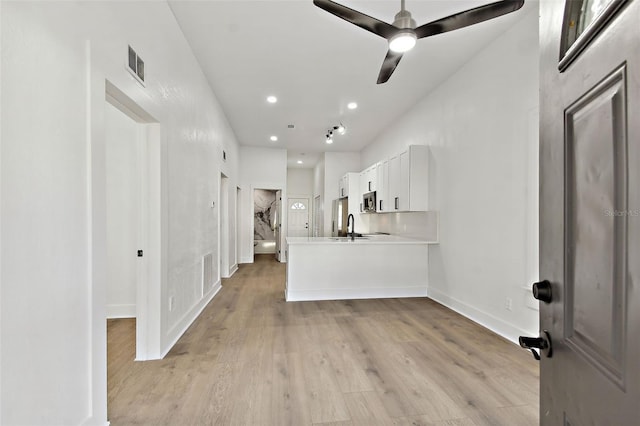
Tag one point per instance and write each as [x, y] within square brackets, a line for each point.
[278, 226]
[589, 219]
[298, 217]
[596, 182]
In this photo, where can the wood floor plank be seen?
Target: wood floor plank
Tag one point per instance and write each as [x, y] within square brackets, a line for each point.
[253, 359]
[350, 375]
[366, 409]
[289, 397]
[326, 402]
[372, 356]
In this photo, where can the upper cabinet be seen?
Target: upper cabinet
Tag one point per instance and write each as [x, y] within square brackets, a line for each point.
[382, 186]
[343, 186]
[369, 179]
[401, 182]
[408, 180]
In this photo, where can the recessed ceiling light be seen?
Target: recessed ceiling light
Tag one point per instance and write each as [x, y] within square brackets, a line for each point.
[352, 105]
[273, 138]
[329, 140]
[299, 161]
[272, 99]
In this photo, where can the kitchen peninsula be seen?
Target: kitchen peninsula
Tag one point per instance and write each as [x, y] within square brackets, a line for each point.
[373, 266]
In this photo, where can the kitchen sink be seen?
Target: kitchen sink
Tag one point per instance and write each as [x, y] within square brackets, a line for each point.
[347, 238]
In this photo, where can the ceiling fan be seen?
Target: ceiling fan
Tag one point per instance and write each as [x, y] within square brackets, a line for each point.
[402, 34]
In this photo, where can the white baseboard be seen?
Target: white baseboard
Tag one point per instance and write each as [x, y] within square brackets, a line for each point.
[246, 260]
[497, 325]
[121, 311]
[92, 421]
[233, 270]
[178, 330]
[359, 293]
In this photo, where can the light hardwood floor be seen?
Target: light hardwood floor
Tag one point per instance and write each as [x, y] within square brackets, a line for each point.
[253, 359]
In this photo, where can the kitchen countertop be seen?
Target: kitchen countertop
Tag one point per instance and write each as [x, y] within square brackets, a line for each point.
[365, 240]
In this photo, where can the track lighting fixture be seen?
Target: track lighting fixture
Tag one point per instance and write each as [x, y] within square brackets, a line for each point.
[339, 129]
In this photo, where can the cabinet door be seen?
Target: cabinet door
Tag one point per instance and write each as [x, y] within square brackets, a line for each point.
[343, 186]
[373, 178]
[394, 184]
[403, 188]
[382, 185]
[363, 183]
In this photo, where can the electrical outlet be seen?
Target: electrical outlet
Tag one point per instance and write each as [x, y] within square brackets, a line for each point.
[508, 303]
[172, 303]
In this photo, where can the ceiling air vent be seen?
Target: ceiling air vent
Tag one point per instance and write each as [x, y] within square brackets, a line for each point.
[291, 126]
[135, 65]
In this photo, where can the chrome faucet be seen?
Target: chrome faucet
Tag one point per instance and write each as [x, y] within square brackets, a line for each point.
[351, 219]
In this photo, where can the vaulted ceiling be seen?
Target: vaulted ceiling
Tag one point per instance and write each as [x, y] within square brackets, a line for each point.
[316, 63]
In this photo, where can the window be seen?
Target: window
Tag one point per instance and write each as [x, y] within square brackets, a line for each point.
[298, 206]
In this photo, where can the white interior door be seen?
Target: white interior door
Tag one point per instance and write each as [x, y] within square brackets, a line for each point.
[590, 212]
[317, 217]
[298, 220]
[278, 225]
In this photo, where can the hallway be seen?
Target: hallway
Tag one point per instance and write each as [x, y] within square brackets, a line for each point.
[253, 359]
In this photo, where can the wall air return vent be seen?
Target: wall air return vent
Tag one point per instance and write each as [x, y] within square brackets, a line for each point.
[135, 65]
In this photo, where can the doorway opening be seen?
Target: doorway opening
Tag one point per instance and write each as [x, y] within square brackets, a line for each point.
[236, 241]
[224, 226]
[265, 220]
[132, 216]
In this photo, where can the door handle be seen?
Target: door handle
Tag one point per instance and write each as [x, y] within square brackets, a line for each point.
[542, 343]
[397, 201]
[542, 291]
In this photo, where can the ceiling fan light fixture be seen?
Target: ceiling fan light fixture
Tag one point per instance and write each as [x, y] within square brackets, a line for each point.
[403, 41]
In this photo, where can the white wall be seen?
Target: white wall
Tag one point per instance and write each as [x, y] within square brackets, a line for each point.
[481, 125]
[300, 182]
[122, 198]
[56, 57]
[260, 168]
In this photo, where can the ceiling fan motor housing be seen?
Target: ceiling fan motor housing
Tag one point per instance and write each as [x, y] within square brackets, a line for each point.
[403, 20]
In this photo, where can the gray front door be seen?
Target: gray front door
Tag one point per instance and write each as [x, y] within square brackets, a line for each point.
[590, 211]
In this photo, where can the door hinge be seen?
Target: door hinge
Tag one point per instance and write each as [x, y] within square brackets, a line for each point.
[140, 253]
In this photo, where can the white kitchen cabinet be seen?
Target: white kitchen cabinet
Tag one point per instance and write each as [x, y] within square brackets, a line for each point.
[382, 186]
[370, 181]
[349, 186]
[408, 180]
[343, 186]
[341, 269]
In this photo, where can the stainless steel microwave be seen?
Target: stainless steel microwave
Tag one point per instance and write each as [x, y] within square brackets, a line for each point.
[369, 202]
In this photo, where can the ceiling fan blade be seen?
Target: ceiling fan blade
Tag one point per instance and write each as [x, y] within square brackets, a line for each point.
[468, 17]
[366, 22]
[389, 66]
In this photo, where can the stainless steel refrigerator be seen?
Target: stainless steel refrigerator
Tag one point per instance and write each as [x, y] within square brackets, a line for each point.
[339, 215]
